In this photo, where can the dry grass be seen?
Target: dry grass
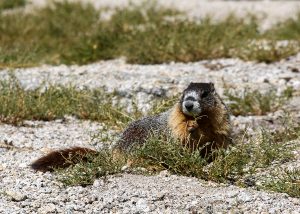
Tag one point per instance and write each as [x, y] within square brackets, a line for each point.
[54, 102]
[256, 103]
[11, 4]
[144, 34]
[234, 165]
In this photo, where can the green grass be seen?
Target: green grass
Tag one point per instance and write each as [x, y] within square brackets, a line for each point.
[233, 165]
[54, 102]
[42, 37]
[255, 102]
[287, 30]
[84, 173]
[10, 4]
[284, 181]
[72, 33]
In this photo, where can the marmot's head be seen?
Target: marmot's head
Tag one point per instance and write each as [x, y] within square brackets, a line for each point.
[198, 98]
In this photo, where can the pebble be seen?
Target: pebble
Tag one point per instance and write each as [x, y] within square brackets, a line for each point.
[244, 197]
[48, 208]
[15, 196]
[142, 206]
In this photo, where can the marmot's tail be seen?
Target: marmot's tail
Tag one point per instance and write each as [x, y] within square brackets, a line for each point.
[61, 158]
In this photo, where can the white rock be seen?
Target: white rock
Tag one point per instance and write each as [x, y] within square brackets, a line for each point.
[16, 196]
[48, 208]
[142, 205]
[244, 197]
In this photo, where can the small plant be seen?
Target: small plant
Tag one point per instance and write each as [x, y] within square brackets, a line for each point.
[161, 105]
[285, 181]
[54, 102]
[72, 33]
[167, 153]
[269, 150]
[10, 4]
[229, 165]
[255, 102]
[287, 30]
[163, 153]
[85, 172]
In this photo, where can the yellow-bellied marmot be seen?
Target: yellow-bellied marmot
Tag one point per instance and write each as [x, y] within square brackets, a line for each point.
[199, 120]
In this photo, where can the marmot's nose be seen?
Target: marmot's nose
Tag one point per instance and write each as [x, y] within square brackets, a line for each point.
[189, 106]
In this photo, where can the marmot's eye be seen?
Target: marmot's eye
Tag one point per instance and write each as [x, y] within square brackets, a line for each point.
[204, 94]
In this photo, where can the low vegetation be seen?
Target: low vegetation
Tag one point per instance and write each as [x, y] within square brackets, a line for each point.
[256, 102]
[11, 4]
[55, 102]
[101, 165]
[285, 181]
[72, 33]
[235, 165]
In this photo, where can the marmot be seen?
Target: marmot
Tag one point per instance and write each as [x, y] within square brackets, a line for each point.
[199, 120]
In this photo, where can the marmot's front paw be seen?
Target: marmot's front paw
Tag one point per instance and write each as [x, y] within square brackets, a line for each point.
[192, 125]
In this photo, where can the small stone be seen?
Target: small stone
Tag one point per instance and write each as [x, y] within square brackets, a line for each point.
[124, 168]
[244, 197]
[23, 165]
[164, 173]
[296, 85]
[193, 203]
[141, 205]
[16, 196]
[46, 150]
[98, 183]
[232, 194]
[48, 208]
[141, 169]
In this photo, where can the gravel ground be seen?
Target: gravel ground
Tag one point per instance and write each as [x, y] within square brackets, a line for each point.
[25, 191]
[148, 81]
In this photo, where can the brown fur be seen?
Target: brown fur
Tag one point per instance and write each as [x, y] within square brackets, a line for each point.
[61, 158]
[212, 126]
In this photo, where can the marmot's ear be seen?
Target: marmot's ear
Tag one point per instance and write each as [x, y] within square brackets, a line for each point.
[212, 86]
[190, 85]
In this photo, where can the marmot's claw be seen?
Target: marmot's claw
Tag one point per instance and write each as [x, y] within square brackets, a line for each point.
[192, 129]
[192, 126]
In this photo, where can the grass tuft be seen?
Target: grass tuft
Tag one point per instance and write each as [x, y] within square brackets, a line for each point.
[85, 172]
[160, 153]
[11, 4]
[255, 102]
[46, 35]
[73, 33]
[287, 30]
[233, 165]
[54, 102]
[285, 181]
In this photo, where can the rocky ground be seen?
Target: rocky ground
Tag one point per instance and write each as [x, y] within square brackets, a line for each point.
[24, 191]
